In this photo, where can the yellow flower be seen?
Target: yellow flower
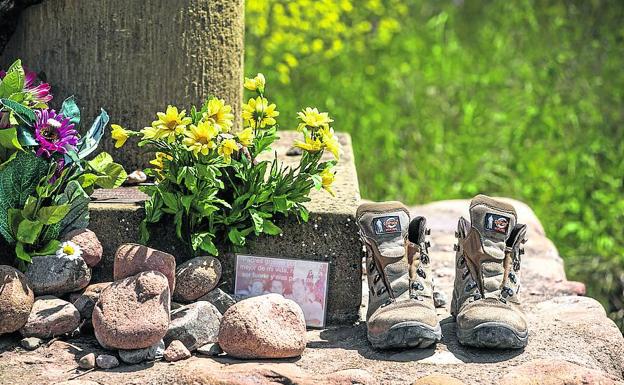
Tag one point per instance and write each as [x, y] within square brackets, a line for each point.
[327, 178]
[227, 148]
[200, 137]
[310, 145]
[258, 113]
[119, 134]
[220, 114]
[311, 117]
[256, 83]
[158, 163]
[246, 136]
[330, 141]
[168, 125]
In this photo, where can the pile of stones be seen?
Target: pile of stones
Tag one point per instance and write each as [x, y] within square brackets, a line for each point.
[153, 309]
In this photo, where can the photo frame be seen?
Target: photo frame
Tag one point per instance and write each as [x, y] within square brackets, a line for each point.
[303, 281]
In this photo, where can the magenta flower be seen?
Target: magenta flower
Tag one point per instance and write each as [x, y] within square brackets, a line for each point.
[54, 133]
[39, 93]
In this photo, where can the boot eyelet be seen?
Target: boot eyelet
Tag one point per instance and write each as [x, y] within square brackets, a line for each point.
[424, 258]
[377, 278]
[421, 273]
[516, 265]
[462, 261]
[512, 277]
[465, 273]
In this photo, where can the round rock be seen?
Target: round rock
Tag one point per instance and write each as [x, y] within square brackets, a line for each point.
[131, 259]
[267, 326]
[51, 317]
[176, 351]
[89, 244]
[87, 362]
[194, 325]
[51, 274]
[133, 313]
[196, 277]
[16, 299]
[106, 361]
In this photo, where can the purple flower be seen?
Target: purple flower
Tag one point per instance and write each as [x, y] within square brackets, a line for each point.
[54, 133]
[40, 93]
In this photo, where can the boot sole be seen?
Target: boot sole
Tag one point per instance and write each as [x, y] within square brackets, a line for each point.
[409, 334]
[493, 335]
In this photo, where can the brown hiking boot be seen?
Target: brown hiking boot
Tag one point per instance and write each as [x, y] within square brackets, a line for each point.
[401, 312]
[485, 298]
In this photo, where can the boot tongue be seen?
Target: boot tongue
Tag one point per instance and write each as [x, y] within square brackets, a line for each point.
[388, 230]
[493, 219]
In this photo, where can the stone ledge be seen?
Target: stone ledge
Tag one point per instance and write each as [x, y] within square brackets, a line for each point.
[329, 236]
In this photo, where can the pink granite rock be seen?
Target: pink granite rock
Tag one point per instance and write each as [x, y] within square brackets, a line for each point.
[51, 317]
[89, 244]
[196, 278]
[131, 259]
[556, 372]
[133, 313]
[267, 326]
[176, 351]
[16, 299]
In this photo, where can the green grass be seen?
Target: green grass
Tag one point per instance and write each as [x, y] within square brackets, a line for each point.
[522, 99]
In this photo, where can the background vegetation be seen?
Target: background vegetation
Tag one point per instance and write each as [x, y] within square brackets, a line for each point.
[446, 99]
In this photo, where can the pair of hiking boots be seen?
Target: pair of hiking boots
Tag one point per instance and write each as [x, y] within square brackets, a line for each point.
[401, 311]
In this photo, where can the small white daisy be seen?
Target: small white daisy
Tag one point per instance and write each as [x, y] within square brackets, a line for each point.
[69, 249]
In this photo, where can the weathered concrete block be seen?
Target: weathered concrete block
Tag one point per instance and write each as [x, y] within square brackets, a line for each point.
[329, 236]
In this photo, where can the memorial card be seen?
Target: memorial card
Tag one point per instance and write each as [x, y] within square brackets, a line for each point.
[305, 282]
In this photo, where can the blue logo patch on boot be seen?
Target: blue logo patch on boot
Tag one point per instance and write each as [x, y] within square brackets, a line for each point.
[387, 225]
[498, 223]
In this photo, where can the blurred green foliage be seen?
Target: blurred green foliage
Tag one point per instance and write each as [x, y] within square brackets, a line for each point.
[446, 99]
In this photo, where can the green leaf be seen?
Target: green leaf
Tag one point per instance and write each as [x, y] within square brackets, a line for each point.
[24, 113]
[280, 203]
[270, 228]
[28, 231]
[29, 207]
[91, 139]
[13, 81]
[52, 214]
[87, 180]
[21, 253]
[257, 221]
[18, 179]
[236, 237]
[170, 199]
[8, 139]
[109, 174]
[26, 136]
[78, 215]
[70, 110]
[15, 217]
[49, 249]
[186, 202]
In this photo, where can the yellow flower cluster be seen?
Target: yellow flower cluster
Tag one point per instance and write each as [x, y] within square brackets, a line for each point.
[255, 84]
[318, 134]
[258, 113]
[169, 125]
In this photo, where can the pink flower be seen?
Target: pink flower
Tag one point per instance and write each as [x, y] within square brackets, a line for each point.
[54, 133]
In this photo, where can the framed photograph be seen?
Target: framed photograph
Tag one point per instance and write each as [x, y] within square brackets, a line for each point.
[305, 282]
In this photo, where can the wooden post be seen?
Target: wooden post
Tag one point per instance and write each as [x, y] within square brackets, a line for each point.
[133, 57]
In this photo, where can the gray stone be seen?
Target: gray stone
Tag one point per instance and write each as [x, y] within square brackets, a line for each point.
[439, 299]
[31, 343]
[106, 361]
[212, 349]
[330, 235]
[137, 356]
[194, 325]
[196, 277]
[220, 299]
[55, 275]
[87, 361]
[51, 317]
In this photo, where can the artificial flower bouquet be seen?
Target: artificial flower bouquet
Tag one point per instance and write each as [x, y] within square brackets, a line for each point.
[212, 182]
[45, 179]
